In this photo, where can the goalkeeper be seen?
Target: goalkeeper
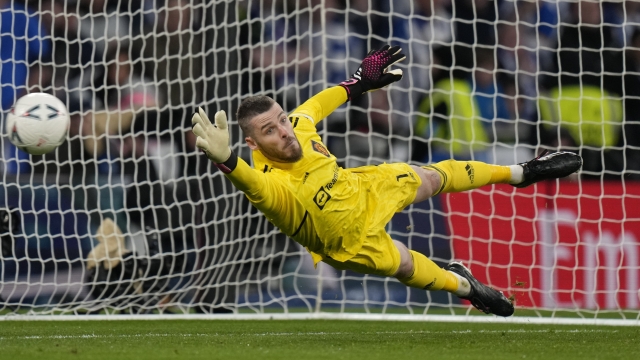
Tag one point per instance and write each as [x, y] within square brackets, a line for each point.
[339, 215]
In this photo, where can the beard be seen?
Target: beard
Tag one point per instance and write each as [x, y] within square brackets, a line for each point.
[284, 156]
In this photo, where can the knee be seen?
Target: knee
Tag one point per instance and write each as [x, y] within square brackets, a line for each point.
[431, 182]
[434, 179]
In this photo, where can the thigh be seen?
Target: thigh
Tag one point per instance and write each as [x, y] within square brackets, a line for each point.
[390, 188]
[378, 256]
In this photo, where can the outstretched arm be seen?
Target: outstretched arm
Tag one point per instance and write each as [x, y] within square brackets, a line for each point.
[270, 197]
[213, 139]
[372, 74]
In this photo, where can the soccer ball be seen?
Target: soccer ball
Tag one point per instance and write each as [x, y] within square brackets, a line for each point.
[37, 123]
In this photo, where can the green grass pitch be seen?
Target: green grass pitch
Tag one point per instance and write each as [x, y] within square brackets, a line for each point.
[311, 339]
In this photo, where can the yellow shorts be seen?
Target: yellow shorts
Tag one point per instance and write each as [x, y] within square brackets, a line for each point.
[392, 187]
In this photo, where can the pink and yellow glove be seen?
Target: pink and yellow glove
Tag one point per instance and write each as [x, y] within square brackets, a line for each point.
[374, 73]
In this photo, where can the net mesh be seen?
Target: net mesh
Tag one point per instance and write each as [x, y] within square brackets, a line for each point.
[495, 81]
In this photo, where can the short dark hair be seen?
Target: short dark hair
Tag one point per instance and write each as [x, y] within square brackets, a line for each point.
[250, 108]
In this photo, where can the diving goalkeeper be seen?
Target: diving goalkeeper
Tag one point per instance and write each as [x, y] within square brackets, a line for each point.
[339, 215]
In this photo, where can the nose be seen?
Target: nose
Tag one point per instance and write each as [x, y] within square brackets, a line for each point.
[283, 132]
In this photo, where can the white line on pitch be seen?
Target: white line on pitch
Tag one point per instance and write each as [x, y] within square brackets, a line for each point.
[95, 336]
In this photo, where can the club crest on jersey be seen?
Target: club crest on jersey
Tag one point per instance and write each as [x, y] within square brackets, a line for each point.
[318, 147]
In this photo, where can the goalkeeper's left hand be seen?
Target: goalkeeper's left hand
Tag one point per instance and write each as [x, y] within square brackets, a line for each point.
[374, 73]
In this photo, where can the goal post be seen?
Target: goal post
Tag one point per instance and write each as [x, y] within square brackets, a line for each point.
[127, 217]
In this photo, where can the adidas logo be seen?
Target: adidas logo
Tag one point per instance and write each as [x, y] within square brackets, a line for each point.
[470, 172]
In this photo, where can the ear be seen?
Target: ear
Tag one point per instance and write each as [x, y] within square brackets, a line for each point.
[251, 143]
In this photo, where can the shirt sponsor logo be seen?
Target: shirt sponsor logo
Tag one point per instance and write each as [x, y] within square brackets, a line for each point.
[318, 147]
[333, 181]
[321, 198]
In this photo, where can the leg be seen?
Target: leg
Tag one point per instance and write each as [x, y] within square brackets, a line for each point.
[406, 262]
[455, 176]
[380, 255]
[416, 270]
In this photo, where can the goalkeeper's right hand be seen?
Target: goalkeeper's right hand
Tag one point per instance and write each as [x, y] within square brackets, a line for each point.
[213, 139]
[374, 72]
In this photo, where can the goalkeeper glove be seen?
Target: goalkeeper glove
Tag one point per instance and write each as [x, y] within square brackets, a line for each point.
[374, 73]
[213, 139]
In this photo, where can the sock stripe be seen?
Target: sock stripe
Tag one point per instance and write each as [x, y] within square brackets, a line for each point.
[442, 174]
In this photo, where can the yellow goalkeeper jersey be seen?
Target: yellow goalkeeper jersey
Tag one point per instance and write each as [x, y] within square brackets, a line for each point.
[314, 201]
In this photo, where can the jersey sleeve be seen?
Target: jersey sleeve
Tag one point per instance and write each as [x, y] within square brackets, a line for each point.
[271, 197]
[321, 105]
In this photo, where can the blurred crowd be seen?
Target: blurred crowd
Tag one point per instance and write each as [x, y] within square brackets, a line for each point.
[491, 80]
[130, 73]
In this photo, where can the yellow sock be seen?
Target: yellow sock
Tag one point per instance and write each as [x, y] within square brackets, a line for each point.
[428, 275]
[467, 175]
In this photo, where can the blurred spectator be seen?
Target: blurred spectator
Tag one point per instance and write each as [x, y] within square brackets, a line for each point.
[536, 20]
[104, 25]
[586, 52]
[301, 53]
[118, 93]
[631, 140]
[271, 59]
[613, 16]
[518, 55]
[631, 19]
[417, 26]
[500, 105]
[489, 93]
[475, 21]
[449, 123]
[582, 110]
[23, 42]
[94, 30]
[346, 40]
[350, 129]
[72, 54]
[172, 53]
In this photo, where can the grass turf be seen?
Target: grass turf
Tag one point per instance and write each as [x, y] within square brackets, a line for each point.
[311, 339]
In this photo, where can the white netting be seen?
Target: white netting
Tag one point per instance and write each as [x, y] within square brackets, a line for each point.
[496, 81]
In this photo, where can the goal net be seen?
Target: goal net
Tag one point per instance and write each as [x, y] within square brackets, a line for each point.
[127, 217]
